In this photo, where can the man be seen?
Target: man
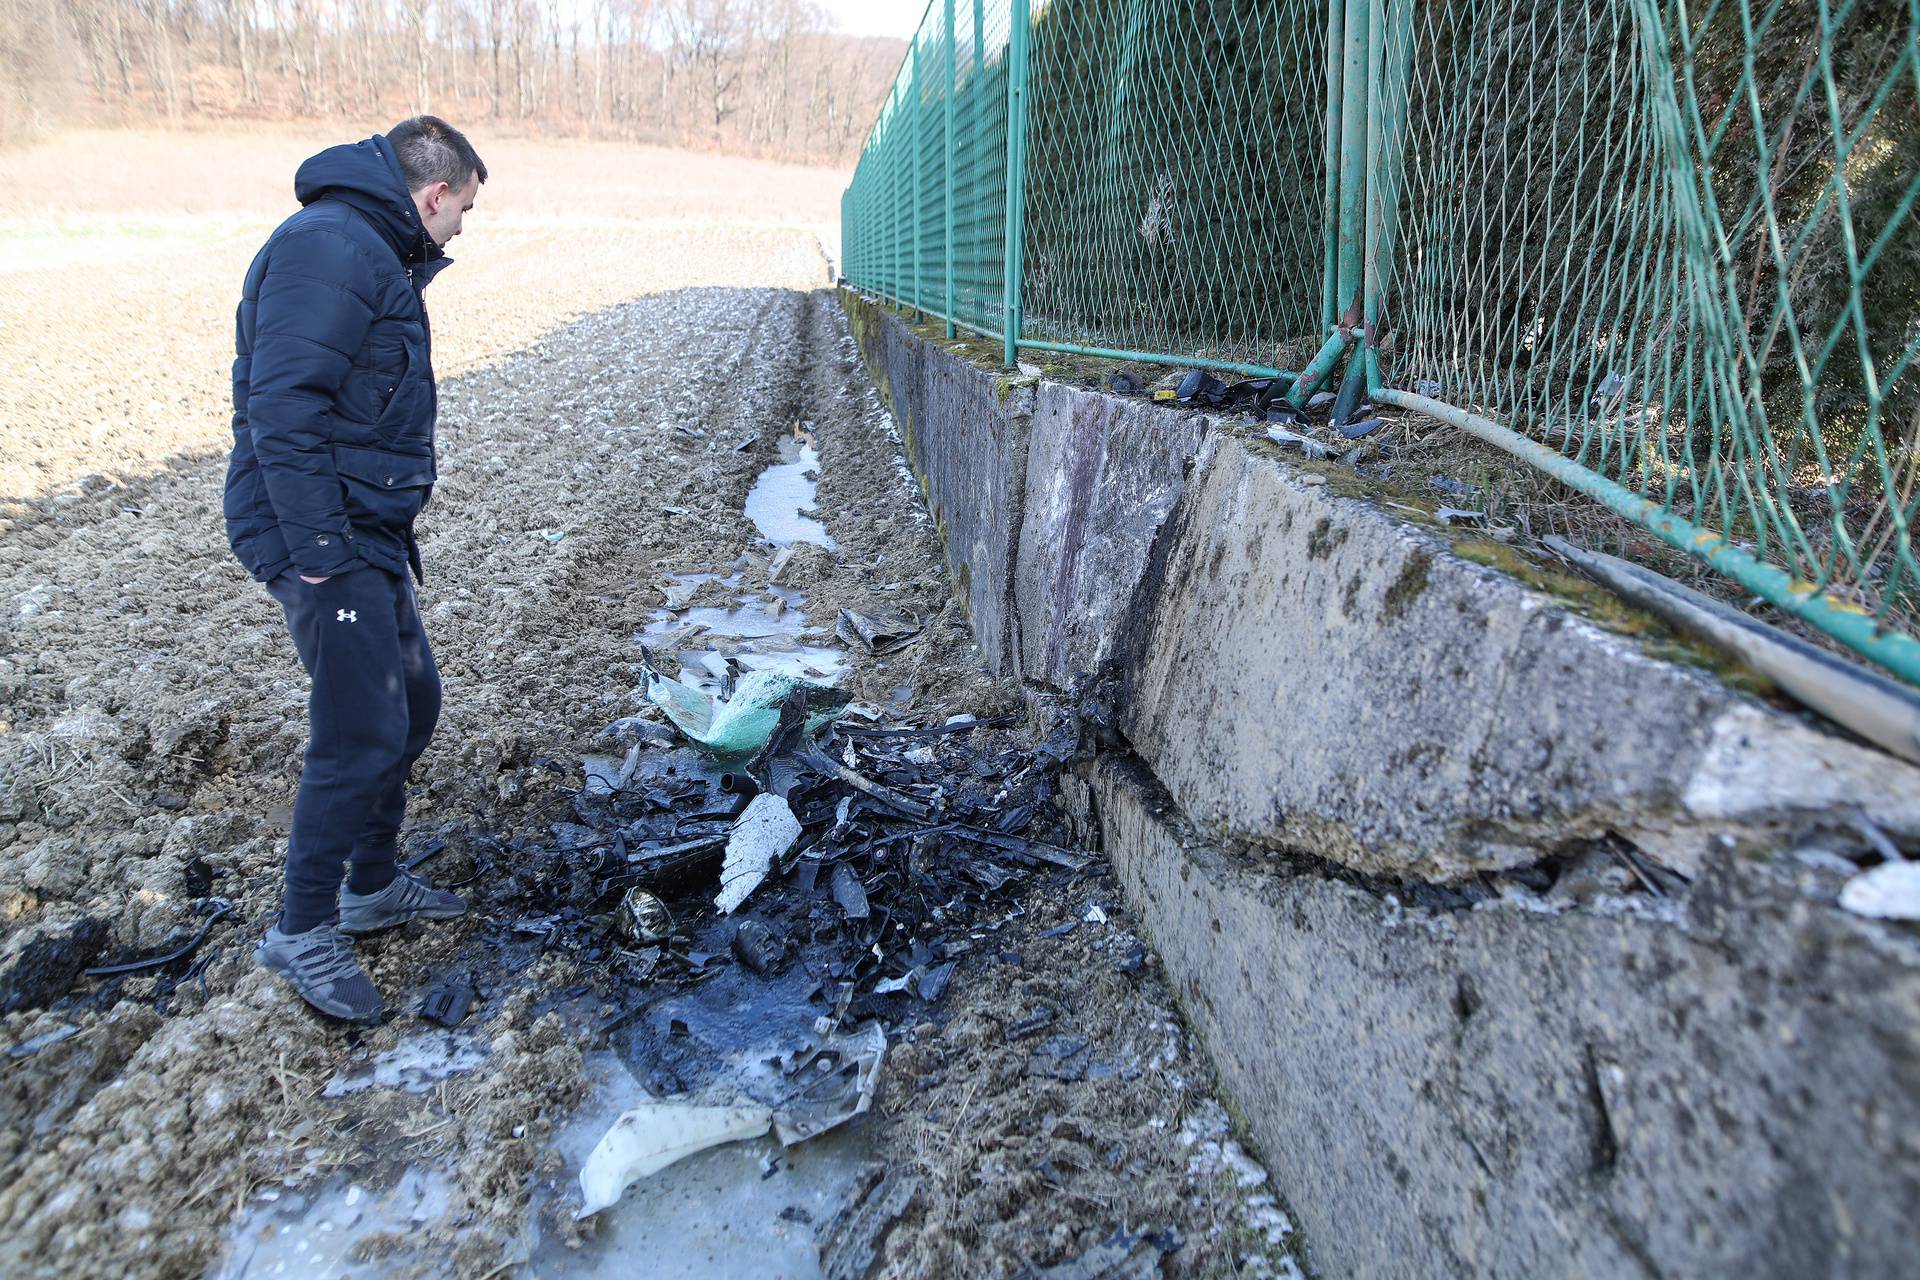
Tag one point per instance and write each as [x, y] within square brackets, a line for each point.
[333, 416]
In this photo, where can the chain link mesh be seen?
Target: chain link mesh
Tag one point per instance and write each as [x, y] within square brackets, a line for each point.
[1682, 249]
[1675, 242]
[1176, 178]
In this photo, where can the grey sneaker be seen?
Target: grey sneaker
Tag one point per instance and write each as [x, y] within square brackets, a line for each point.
[407, 898]
[320, 966]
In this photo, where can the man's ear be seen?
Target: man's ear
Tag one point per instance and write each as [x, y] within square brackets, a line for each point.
[435, 194]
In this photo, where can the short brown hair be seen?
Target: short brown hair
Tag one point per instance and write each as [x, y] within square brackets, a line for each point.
[430, 150]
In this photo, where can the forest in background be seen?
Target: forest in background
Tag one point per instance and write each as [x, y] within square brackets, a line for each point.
[755, 77]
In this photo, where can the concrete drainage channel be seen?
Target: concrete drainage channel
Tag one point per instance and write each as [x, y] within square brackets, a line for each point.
[1514, 943]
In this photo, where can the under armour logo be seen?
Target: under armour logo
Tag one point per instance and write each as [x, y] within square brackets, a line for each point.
[347, 615]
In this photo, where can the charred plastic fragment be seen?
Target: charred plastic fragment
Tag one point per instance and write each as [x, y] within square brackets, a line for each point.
[644, 919]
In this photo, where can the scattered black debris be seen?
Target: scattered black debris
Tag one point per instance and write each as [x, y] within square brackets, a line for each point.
[850, 893]
[794, 1213]
[447, 1004]
[933, 982]
[1124, 1255]
[46, 1039]
[850, 1243]
[432, 847]
[904, 845]
[45, 967]
[755, 946]
[1134, 961]
[198, 878]
[1064, 1057]
[1060, 930]
[221, 910]
[877, 633]
[1033, 1024]
[1201, 389]
[643, 918]
[1198, 389]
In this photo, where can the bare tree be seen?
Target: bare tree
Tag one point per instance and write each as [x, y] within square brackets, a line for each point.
[761, 76]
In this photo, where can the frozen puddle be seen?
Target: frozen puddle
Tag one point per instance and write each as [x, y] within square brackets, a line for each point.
[414, 1065]
[292, 1232]
[744, 1211]
[760, 633]
[785, 493]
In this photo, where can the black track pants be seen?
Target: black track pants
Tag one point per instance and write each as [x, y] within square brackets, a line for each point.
[375, 701]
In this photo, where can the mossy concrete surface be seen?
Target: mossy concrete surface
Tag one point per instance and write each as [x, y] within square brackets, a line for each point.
[1307, 668]
[1722, 1087]
[1516, 939]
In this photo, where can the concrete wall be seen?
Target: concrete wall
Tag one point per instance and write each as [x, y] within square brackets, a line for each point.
[1468, 1039]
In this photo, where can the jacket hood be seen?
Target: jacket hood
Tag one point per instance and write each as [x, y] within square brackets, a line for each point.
[366, 175]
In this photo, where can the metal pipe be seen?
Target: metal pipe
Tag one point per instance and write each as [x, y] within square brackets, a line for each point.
[1323, 363]
[1347, 188]
[1376, 139]
[913, 180]
[1390, 64]
[947, 179]
[1150, 357]
[976, 92]
[1849, 624]
[1354, 110]
[1336, 51]
[1021, 29]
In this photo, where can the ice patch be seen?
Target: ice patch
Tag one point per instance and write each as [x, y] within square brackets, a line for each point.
[784, 493]
[288, 1232]
[413, 1066]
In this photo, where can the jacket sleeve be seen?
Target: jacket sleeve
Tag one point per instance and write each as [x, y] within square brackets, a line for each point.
[309, 324]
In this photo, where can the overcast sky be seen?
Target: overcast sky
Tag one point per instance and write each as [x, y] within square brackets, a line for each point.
[876, 17]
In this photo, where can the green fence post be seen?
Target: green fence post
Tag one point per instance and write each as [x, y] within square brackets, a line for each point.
[1021, 28]
[884, 152]
[977, 242]
[1336, 52]
[1388, 67]
[893, 198]
[913, 181]
[947, 177]
[1349, 226]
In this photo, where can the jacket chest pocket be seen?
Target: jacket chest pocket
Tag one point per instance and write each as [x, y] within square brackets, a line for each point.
[405, 384]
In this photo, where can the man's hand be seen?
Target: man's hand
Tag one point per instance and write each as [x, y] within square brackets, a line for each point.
[314, 581]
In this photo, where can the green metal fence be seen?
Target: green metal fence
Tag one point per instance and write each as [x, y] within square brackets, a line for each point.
[1667, 252]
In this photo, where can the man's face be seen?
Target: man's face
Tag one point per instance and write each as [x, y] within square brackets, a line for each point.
[442, 208]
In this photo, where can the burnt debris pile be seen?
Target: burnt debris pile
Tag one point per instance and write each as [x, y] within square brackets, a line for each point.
[764, 916]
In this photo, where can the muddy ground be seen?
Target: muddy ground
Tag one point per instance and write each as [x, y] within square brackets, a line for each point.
[150, 731]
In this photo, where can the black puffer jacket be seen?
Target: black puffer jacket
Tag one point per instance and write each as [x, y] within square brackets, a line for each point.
[333, 394]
